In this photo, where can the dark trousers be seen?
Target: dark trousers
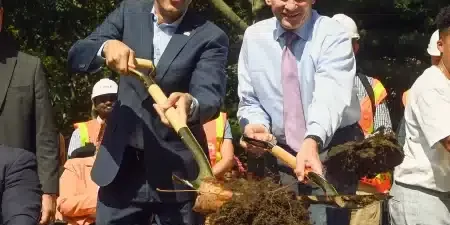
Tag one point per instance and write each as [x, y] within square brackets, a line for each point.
[320, 214]
[128, 199]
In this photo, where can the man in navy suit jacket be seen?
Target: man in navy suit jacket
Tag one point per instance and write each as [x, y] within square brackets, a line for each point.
[190, 55]
[20, 189]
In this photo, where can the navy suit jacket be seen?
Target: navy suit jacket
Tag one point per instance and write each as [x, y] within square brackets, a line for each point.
[194, 62]
[20, 189]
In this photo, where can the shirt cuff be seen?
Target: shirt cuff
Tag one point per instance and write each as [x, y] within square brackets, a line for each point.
[194, 111]
[100, 51]
[315, 129]
[99, 59]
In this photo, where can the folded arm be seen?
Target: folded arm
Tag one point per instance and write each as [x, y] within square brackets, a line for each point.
[73, 202]
[21, 199]
[333, 87]
[227, 153]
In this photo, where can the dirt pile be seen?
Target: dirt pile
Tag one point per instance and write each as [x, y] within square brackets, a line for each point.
[355, 160]
[260, 202]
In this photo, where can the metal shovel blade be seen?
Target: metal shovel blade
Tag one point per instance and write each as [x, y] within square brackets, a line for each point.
[345, 201]
[320, 181]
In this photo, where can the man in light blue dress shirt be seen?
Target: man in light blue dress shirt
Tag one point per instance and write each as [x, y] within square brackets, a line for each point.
[325, 67]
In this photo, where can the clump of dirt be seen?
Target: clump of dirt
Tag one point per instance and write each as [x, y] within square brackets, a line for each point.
[355, 160]
[260, 202]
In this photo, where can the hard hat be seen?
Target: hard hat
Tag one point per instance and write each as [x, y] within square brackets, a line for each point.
[349, 24]
[103, 87]
[432, 46]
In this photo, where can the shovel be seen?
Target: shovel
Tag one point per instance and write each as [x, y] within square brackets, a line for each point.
[290, 160]
[180, 127]
[211, 194]
[331, 196]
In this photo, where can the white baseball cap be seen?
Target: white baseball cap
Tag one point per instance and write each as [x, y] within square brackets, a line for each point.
[432, 46]
[348, 23]
[103, 87]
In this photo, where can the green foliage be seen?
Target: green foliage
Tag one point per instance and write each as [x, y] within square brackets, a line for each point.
[48, 29]
[394, 38]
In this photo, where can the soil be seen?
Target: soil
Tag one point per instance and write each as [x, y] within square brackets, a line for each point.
[260, 202]
[355, 160]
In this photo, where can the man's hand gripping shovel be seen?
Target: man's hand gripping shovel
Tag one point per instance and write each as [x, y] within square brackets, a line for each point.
[211, 194]
[331, 196]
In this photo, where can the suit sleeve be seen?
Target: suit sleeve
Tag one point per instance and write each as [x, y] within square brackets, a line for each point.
[47, 150]
[21, 199]
[83, 54]
[208, 82]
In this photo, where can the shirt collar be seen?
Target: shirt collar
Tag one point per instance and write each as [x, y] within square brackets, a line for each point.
[303, 31]
[174, 24]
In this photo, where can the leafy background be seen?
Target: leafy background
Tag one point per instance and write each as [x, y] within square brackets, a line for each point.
[394, 33]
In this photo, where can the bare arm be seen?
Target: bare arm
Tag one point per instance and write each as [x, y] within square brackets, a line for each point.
[227, 152]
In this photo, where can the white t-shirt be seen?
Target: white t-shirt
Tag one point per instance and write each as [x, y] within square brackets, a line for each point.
[427, 120]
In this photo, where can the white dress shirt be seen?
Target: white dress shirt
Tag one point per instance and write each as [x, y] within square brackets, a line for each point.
[326, 69]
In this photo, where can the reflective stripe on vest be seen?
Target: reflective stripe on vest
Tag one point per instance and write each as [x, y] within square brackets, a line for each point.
[366, 122]
[382, 181]
[220, 133]
[84, 133]
[404, 97]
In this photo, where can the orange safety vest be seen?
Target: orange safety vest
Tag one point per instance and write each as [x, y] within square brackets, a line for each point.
[215, 132]
[366, 122]
[381, 182]
[88, 131]
[404, 97]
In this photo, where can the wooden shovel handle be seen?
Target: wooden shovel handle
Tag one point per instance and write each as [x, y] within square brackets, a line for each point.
[145, 63]
[275, 150]
[286, 157]
[157, 94]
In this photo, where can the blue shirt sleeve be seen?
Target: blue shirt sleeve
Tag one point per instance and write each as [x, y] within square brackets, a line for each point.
[228, 134]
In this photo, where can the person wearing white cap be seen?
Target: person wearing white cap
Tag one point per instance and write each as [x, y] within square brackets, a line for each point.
[103, 96]
[374, 115]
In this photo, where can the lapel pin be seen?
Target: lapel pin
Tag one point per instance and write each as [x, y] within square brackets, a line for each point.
[187, 33]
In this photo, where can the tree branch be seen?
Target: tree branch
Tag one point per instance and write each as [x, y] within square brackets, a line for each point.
[229, 14]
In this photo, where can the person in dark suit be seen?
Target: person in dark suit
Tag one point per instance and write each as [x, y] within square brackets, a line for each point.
[26, 119]
[20, 191]
[190, 55]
